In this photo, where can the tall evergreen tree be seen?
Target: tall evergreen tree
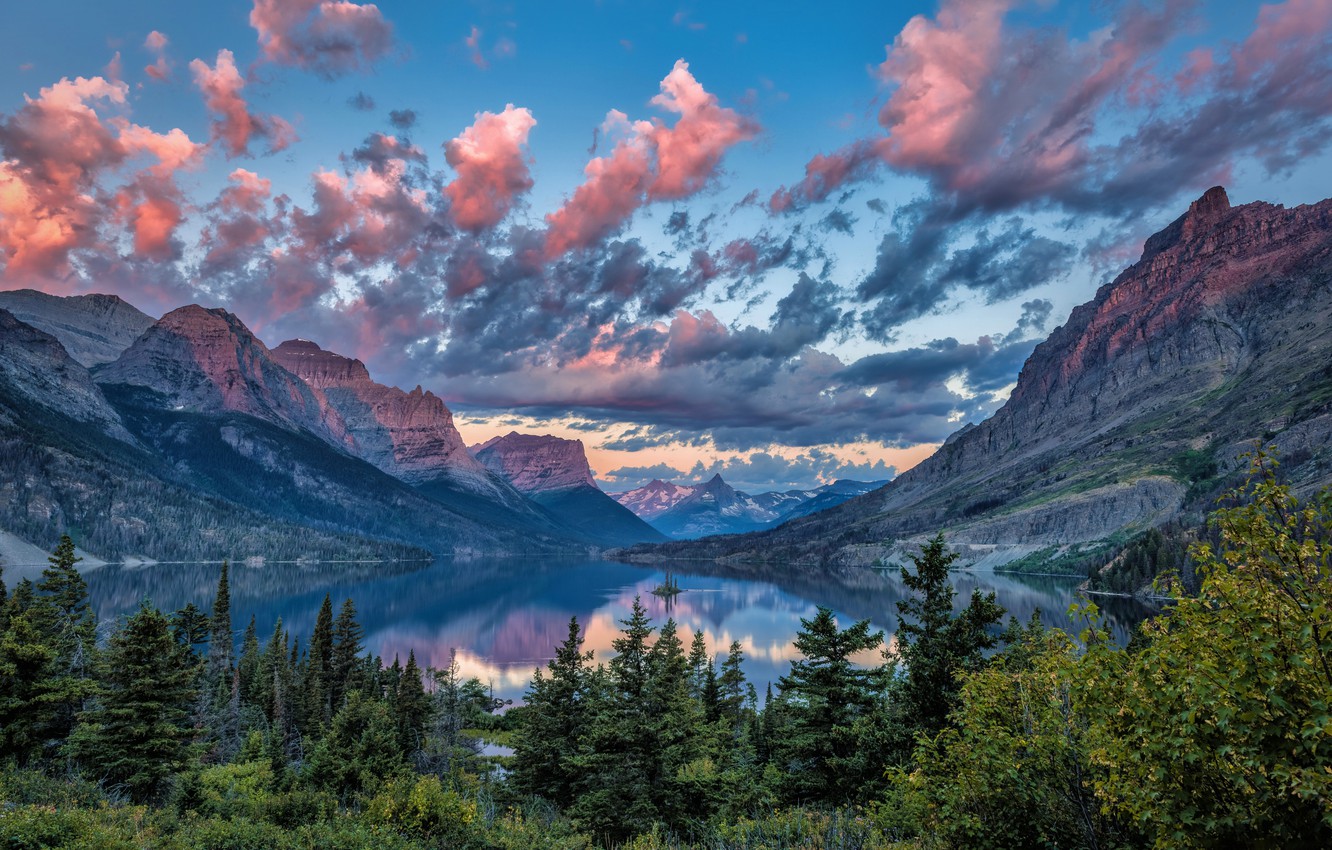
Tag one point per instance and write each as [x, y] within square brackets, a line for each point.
[137, 733]
[25, 661]
[825, 693]
[936, 645]
[411, 705]
[554, 719]
[319, 669]
[190, 626]
[731, 686]
[66, 622]
[346, 668]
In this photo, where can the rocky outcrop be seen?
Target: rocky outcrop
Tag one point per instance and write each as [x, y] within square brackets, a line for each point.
[1221, 334]
[536, 463]
[35, 367]
[93, 329]
[409, 435]
[208, 361]
[555, 474]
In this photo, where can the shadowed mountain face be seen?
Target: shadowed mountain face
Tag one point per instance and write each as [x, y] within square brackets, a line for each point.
[93, 329]
[554, 473]
[1221, 334]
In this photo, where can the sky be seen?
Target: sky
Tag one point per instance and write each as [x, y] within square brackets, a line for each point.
[783, 242]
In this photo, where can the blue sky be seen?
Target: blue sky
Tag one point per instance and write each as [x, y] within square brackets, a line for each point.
[416, 184]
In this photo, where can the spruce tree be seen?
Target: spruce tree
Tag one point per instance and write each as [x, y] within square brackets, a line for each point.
[65, 619]
[825, 693]
[25, 661]
[137, 733]
[554, 720]
[346, 670]
[731, 686]
[319, 669]
[411, 705]
[936, 645]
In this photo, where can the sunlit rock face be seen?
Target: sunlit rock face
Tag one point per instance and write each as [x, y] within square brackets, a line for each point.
[554, 473]
[93, 329]
[536, 463]
[409, 435]
[207, 360]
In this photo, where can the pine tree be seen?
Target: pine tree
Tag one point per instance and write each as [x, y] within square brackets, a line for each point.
[825, 693]
[731, 686]
[345, 665]
[319, 669]
[190, 626]
[66, 622]
[25, 661]
[675, 721]
[698, 664]
[411, 705]
[137, 733]
[936, 645]
[218, 709]
[554, 720]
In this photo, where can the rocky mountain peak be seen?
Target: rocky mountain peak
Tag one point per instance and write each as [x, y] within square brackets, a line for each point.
[207, 360]
[536, 463]
[36, 365]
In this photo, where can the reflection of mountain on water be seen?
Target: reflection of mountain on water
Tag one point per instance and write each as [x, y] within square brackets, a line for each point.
[505, 617]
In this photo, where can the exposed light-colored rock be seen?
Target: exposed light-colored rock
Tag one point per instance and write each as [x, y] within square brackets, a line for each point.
[409, 435]
[37, 367]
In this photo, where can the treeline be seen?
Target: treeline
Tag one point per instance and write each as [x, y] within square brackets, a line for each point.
[1212, 729]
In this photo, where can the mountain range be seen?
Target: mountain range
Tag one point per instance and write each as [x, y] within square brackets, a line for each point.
[713, 507]
[187, 437]
[1136, 412]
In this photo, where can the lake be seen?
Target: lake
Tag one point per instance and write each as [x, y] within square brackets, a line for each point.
[503, 618]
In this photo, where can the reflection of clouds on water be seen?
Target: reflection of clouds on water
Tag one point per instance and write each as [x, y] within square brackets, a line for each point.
[504, 618]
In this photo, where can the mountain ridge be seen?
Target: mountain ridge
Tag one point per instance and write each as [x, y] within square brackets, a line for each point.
[1220, 313]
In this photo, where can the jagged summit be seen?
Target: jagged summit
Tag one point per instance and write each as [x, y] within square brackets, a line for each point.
[408, 435]
[207, 360]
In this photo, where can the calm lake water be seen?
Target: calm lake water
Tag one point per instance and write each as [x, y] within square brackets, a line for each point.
[505, 617]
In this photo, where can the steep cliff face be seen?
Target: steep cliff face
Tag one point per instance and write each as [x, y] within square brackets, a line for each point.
[92, 328]
[1219, 335]
[555, 474]
[35, 367]
[207, 361]
[409, 435]
[536, 463]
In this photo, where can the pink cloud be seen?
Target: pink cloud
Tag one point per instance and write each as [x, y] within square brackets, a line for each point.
[156, 43]
[825, 173]
[650, 162]
[54, 147]
[473, 42]
[329, 37]
[492, 170]
[234, 125]
[689, 152]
